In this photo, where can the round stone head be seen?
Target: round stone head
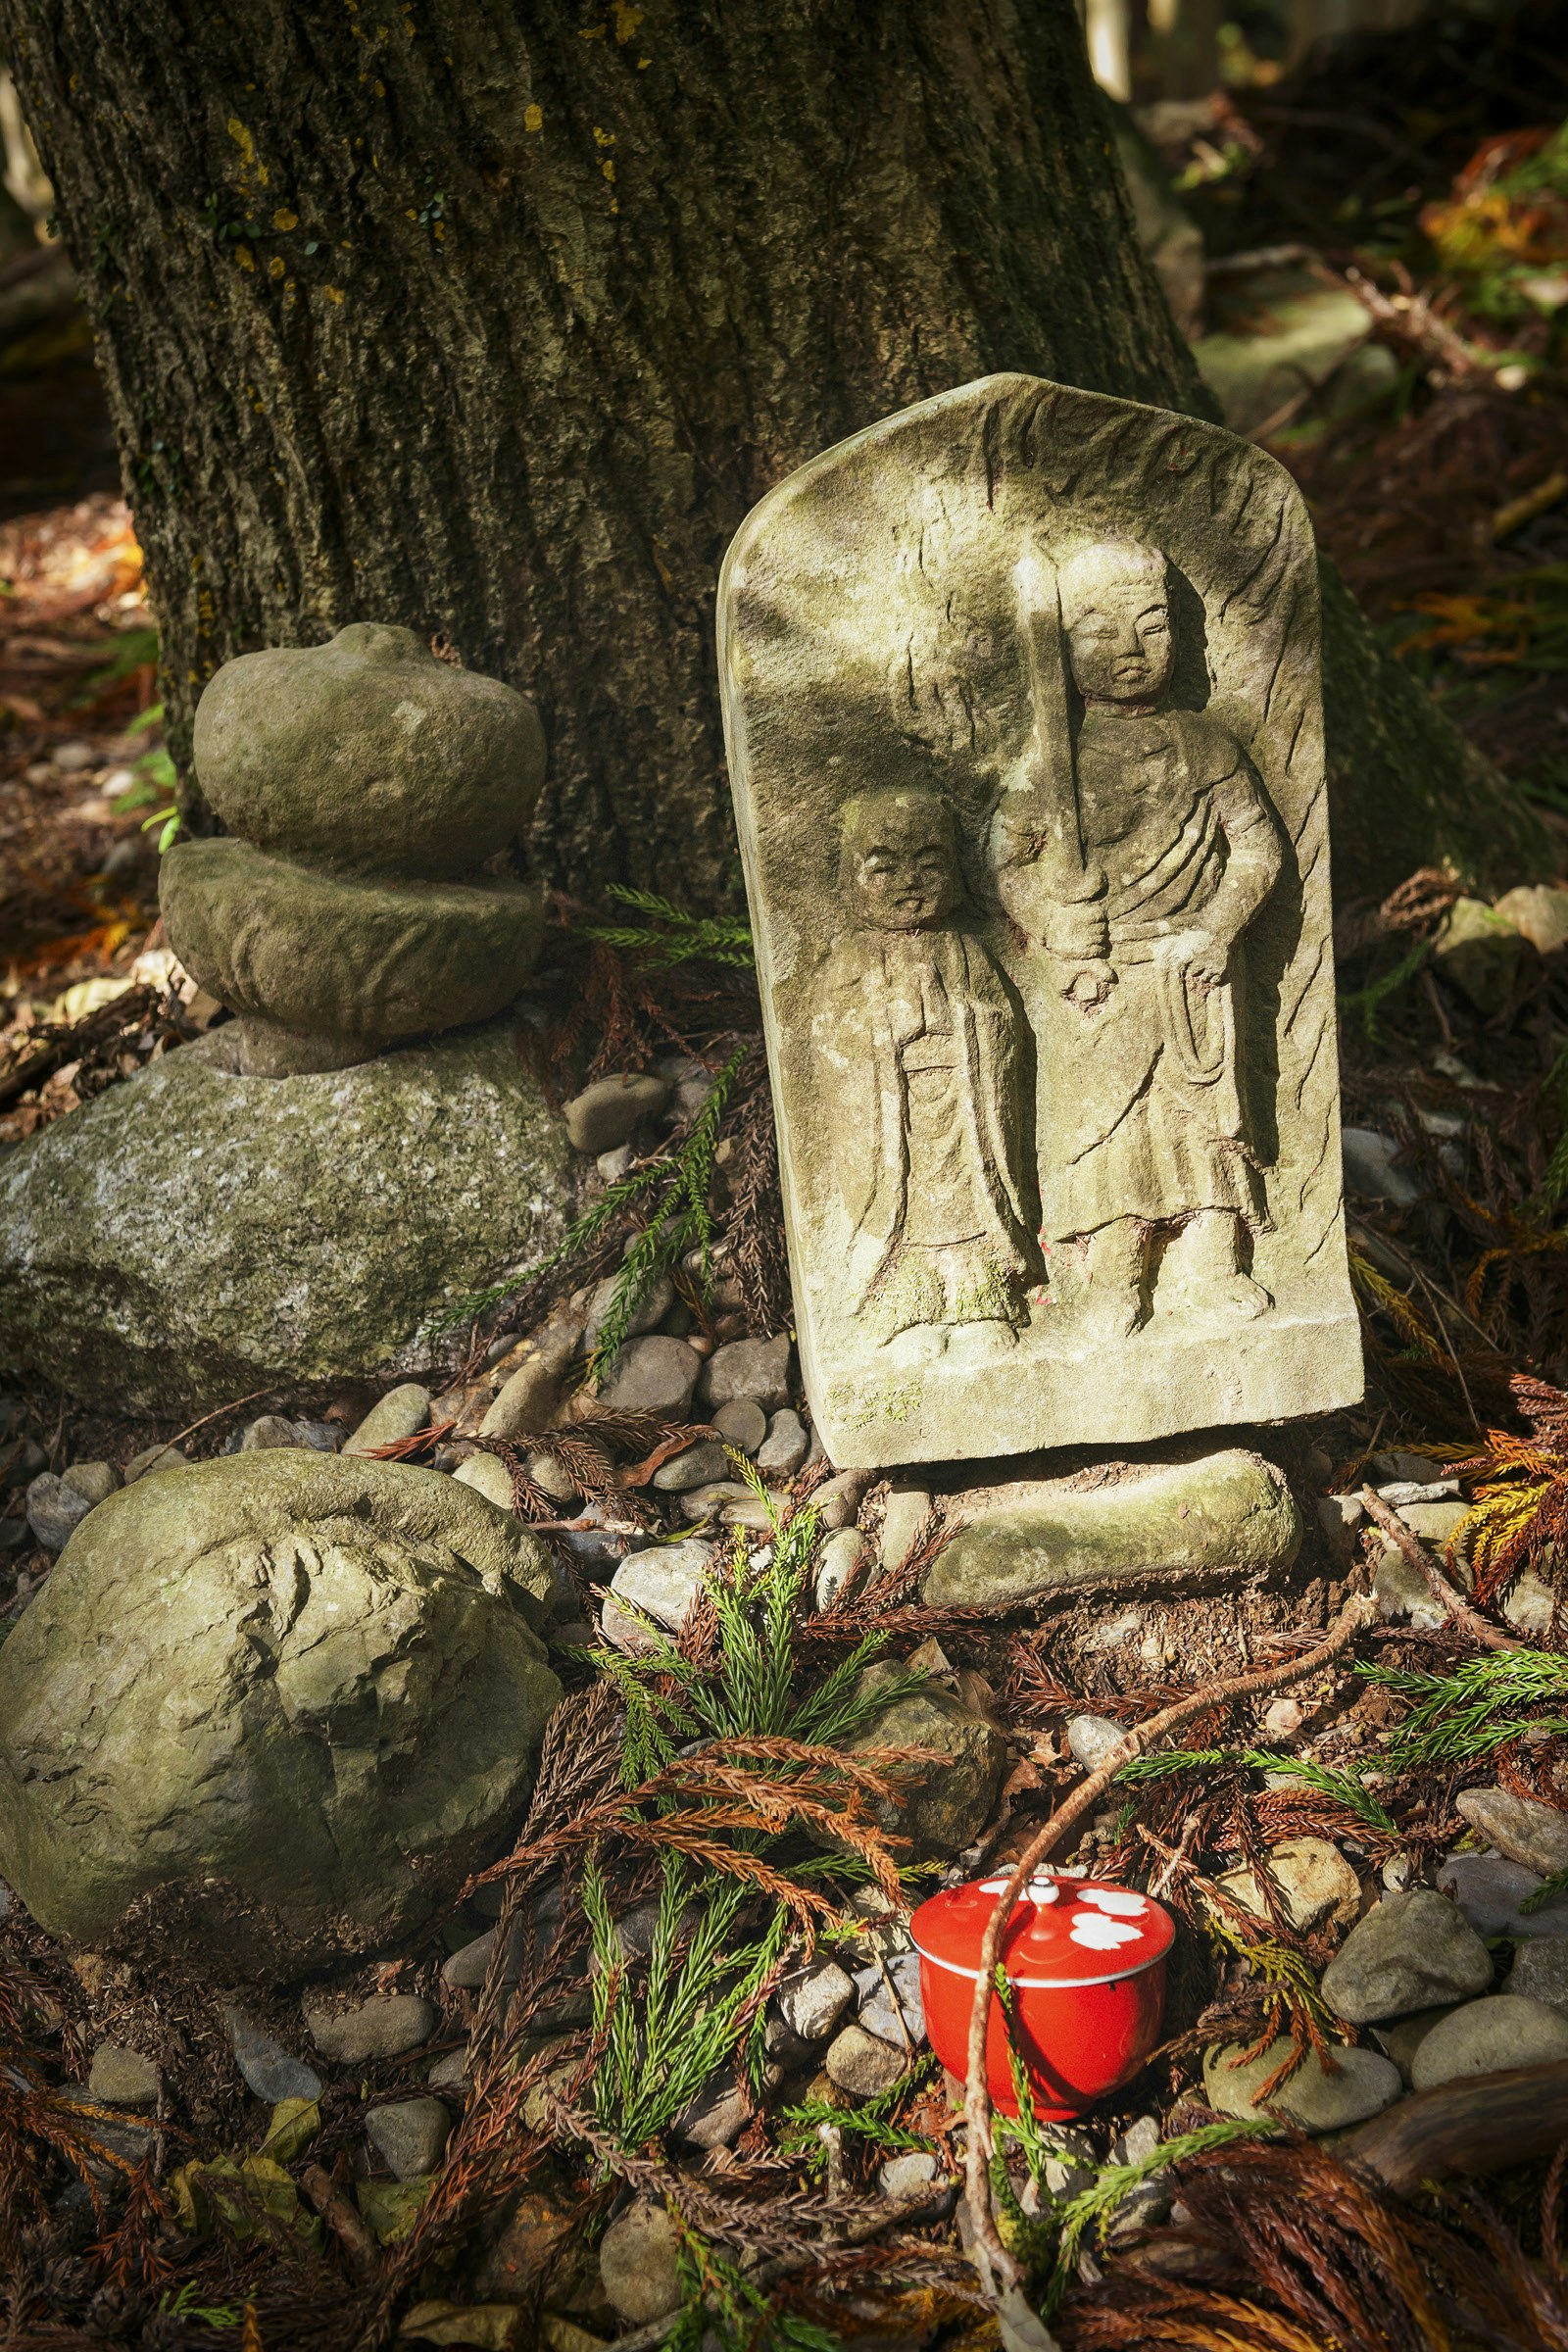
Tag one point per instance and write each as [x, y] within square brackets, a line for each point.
[899, 859]
[1115, 608]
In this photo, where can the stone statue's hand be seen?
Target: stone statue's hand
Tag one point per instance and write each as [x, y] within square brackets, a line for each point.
[1090, 986]
[1078, 931]
[1205, 957]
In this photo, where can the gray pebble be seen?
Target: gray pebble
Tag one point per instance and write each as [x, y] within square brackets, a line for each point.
[268, 2068]
[783, 1451]
[881, 2010]
[383, 2028]
[1540, 1971]
[648, 1317]
[1520, 1826]
[154, 1460]
[663, 1581]
[810, 2005]
[1091, 1738]
[759, 1369]
[401, 1413]
[835, 1564]
[655, 1375]
[267, 1430]
[123, 2078]
[487, 1474]
[902, 2176]
[1488, 2038]
[742, 1423]
[1411, 1952]
[698, 1466]
[409, 2135]
[54, 1510]
[605, 1113]
[901, 1522]
[1490, 1893]
[862, 2064]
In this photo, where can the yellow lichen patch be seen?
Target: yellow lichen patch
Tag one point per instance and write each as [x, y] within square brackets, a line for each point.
[285, 219]
[533, 118]
[274, 268]
[626, 19]
[608, 166]
[244, 255]
[604, 138]
[333, 293]
[592, 32]
[247, 149]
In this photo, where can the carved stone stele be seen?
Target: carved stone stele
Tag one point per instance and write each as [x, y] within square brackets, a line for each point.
[1023, 710]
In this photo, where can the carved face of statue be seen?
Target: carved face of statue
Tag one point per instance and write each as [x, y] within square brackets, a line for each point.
[1121, 646]
[900, 861]
[1116, 609]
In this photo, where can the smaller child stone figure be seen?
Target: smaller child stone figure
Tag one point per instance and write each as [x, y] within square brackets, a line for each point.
[1148, 1150]
[915, 1038]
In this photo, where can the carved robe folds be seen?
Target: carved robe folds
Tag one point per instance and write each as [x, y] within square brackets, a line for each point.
[1025, 722]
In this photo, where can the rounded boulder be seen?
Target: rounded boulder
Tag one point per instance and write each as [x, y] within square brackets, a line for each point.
[270, 1710]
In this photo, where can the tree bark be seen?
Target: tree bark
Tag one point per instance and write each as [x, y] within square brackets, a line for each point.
[494, 320]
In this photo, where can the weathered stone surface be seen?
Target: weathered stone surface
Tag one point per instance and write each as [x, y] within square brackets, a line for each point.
[901, 1522]
[152, 1459]
[1361, 2084]
[835, 1564]
[1540, 1971]
[1491, 1893]
[268, 1709]
[698, 1466]
[367, 753]
[648, 1317]
[1413, 1951]
[1520, 1826]
[123, 2078]
[653, 1376]
[639, 2263]
[321, 1226]
[861, 2064]
[365, 962]
[1539, 911]
[756, 1369]
[742, 1423]
[608, 1111]
[409, 2135]
[1488, 2038]
[401, 1413]
[663, 1581]
[487, 1474]
[1480, 952]
[1230, 1509]
[783, 1450]
[941, 1808]
[1315, 1879]
[270, 2070]
[811, 2004]
[1091, 1738]
[383, 2028]
[55, 1510]
[1012, 986]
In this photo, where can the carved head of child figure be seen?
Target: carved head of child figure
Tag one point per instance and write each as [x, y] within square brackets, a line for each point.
[1115, 609]
[900, 859]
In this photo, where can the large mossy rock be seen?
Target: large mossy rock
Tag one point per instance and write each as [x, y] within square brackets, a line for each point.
[1125, 1522]
[270, 1710]
[194, 1235]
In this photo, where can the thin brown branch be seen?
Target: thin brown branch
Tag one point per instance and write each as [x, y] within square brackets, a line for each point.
[1447, 1594]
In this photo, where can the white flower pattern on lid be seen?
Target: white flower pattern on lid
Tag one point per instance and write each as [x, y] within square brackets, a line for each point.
[1114, 1899]
[1099, 1933]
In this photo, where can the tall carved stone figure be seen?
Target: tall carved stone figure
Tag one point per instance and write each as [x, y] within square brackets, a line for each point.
[1025, 734]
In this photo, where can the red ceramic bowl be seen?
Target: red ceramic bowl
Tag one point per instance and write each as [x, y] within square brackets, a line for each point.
[1086, 1962]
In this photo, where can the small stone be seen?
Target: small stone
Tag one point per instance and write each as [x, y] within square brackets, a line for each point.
[837, 1501]
[1539, 913]
[759, 1369]
[860, 2064]
[752, 1511]
[624, 1632]
[639, 2264]
[94, 1481]
[720, 2111]
[551, 1477]
[783, 1451]
[1283, 1719]
[515, 2267]
[661, 1298]
[465, 1968]
[526, 1402]
[487, 1474]
[1402, 1590]
[1091, 1738]
[698, 1466]
[1412, 1951]
[1384, 1469]
[268, 1432]
[903, 2176]
[401, 1413]
[1489, 2037]
[1490, 1893]
[719, 1494]
[152, 1459]
[613, 1166]
[608, 1111]
[1531, 1605]
[835, 1564]
[1401, 1492]
[1402, 2036]
[449, 2074]
[941, 1808]
[1342, 1518]
[409, 2135]
[1480, 952]
[123, 2078]
[1314, 1878]
[383, 2028]
[902, 1521]
[663, 1581]
[810, 2005]
[268, 2068]
[653, 1376]
[1520, 1826]
[1362, 2084]
[742, 1423]
[891, 2014]
[1371, 1167]
[1540, 1971]
[1436, 1523]
[54, 1511]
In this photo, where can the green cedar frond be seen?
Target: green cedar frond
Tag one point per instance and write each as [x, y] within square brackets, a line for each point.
[1555, 1884]
[1345, 1786]
[1092, 2207]
[683, 939]
[1464, 1717]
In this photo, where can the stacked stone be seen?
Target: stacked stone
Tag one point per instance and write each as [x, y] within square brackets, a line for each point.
[368, 789]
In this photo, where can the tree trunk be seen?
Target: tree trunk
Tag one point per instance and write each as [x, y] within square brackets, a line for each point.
[494, 320]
